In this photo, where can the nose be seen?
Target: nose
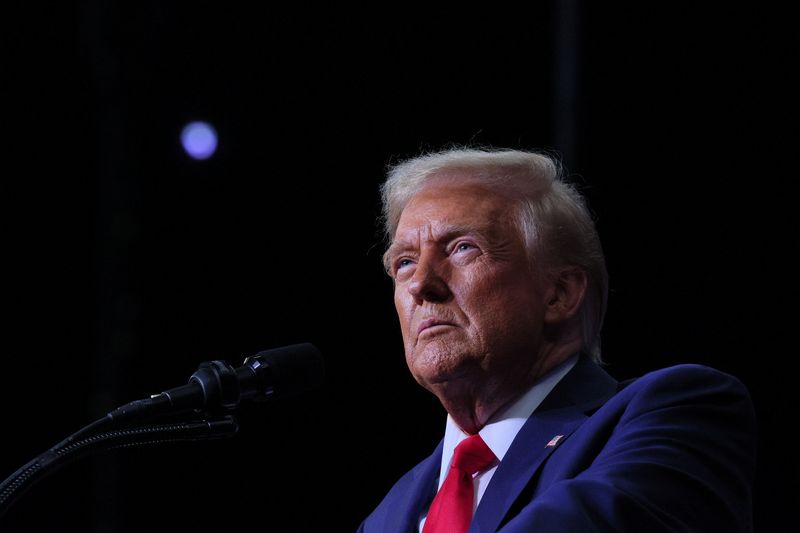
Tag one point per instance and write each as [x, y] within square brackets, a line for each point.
[429, 283]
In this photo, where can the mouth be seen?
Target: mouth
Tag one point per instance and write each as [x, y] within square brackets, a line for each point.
[429, 323]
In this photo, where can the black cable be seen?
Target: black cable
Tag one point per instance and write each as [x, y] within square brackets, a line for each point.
[80, 445]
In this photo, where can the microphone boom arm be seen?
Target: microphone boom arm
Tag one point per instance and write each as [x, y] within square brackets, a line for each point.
[216, 388]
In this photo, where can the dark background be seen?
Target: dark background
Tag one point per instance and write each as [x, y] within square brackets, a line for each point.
[126, 263]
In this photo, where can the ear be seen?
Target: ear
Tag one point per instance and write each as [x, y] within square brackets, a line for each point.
[566, 295]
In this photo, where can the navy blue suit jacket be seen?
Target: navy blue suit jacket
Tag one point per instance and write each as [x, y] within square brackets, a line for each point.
[672, 451]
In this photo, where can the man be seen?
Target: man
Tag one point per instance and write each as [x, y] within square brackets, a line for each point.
[500, 288]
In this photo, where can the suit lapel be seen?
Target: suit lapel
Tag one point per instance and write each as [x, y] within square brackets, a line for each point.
[523, 459]
[407, 508]
[581, 391]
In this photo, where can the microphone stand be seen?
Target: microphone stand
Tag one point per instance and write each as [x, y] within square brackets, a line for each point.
[199, 411]
[88, 441]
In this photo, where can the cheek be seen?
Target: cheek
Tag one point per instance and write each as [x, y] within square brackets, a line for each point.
[402, 307]
[500, 302]
[474, 290]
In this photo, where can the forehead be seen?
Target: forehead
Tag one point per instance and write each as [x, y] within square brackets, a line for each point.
[444, 204]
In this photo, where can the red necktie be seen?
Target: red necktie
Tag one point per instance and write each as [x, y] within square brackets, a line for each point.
[451, 510]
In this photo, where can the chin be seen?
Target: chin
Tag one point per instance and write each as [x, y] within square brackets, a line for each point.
[432, 367]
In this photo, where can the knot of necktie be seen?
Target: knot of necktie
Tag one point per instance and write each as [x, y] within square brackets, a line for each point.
[472, 455]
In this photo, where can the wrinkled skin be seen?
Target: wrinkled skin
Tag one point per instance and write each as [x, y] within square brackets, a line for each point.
[480, 322]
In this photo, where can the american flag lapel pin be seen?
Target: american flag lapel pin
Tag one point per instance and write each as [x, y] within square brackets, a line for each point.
[554, 441]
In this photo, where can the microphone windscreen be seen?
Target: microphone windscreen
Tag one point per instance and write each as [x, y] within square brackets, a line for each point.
[293, 369]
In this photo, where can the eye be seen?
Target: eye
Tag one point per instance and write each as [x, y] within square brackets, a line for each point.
[403, 263]
[463, 252]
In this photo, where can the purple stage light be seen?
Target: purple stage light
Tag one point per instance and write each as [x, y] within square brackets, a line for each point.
[199, 139]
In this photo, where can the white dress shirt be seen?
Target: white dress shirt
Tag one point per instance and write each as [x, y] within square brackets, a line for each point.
[500, 431]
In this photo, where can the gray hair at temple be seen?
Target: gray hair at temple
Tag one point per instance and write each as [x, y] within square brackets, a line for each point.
[552, 215]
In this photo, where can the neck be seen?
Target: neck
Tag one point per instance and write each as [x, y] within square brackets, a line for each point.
[473, 400]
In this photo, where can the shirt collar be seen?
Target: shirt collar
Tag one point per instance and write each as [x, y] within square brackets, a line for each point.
[499, 433]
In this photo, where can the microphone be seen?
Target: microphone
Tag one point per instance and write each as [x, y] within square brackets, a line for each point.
[215, 386]
[270, 374]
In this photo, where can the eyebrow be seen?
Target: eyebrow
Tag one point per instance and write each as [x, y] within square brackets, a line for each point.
[449, 233]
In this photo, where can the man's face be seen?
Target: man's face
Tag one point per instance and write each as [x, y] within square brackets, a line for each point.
[470, 306]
